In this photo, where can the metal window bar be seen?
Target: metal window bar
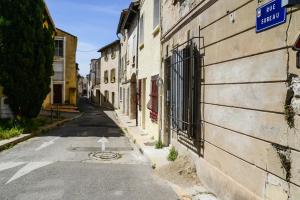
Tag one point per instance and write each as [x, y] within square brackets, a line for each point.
[185, 93]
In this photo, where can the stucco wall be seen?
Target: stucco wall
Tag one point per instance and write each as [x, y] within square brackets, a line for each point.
[243, 100]
[70, 81]
[71, 72]
[149, 63]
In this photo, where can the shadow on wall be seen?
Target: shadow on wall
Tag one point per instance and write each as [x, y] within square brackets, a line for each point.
[106, 100]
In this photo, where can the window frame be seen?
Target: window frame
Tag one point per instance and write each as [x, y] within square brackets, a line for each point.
[156, 14]
[141, 30]
[106, 79]
[59, 50]
[113, 75]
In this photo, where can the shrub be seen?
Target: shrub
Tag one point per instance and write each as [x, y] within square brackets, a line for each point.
[9, 133]
[173, 154]
[159, 144]
[26, 55]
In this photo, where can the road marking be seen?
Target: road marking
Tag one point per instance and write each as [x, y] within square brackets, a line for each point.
[46, 144]
[103, 140]
[9, 165]
[27, 169]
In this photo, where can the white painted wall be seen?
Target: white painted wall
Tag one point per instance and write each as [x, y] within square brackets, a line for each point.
[149, 62]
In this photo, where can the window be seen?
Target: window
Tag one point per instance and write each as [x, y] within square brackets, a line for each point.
[106, 56]
[106, 76]
[58, 68]
[113, 76]
[113, 98]
[154, 99]
[59, 47]
[142, 29]
[113, 53]
[156, 13]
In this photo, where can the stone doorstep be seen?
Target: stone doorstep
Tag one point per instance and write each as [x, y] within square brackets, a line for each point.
[13, 141]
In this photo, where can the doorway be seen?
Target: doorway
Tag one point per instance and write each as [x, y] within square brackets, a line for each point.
[133, 95]
[98, 97]
[57, 93]
[113, 99]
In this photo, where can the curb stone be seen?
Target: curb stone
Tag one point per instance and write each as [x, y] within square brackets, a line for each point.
[13, 141]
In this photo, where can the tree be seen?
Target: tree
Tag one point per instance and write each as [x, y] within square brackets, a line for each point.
[26, 55]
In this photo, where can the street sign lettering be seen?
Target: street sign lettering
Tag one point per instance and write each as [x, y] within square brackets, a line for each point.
[270, 15]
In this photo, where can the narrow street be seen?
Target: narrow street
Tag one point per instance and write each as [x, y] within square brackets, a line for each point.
[59, 165]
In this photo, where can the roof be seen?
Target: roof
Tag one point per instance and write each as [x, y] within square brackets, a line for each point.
[109, 45]
[123, 16]
[128, 15]
[66, 32]
[133, 12]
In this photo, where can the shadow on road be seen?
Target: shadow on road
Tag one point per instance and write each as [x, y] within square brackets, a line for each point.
[93, 123]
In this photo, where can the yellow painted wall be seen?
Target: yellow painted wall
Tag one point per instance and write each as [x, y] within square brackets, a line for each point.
[71, 72]
[70, 69]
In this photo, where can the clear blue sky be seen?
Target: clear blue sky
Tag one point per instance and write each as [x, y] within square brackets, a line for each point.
[94, 22]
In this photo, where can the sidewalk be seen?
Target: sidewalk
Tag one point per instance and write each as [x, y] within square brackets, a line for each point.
[4, 144]
[158, 157]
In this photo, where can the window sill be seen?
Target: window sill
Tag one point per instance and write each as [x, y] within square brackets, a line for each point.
[141, 46]
[156, 30]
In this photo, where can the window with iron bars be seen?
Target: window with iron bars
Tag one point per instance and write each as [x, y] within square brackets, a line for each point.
[185, 90]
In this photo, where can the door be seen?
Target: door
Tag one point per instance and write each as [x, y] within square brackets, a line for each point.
[113, 99]
[144, 104]
[57, 93]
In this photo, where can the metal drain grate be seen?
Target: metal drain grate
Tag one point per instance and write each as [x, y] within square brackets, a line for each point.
[105, 156]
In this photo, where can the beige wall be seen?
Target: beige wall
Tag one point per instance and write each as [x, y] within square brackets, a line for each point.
[149, 63]
[109, 64]
[243, 99]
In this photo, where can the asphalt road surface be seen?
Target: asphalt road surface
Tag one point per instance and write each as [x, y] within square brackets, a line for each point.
[60, 165]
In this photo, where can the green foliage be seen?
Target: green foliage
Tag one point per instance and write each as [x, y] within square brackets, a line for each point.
[13, 128]
[9, 133]
[159, 144]
[289, 116]
[284, 153]
[26, 55]
[173, 154]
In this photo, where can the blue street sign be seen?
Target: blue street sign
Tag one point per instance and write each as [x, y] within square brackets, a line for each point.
[270, 15]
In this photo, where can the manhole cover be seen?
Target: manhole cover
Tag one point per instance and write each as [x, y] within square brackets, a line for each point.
[105, 156]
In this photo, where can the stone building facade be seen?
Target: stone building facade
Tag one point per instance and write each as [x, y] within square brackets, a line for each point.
[109, 75]
[235, 82]
[128, 30]
[95, 79]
